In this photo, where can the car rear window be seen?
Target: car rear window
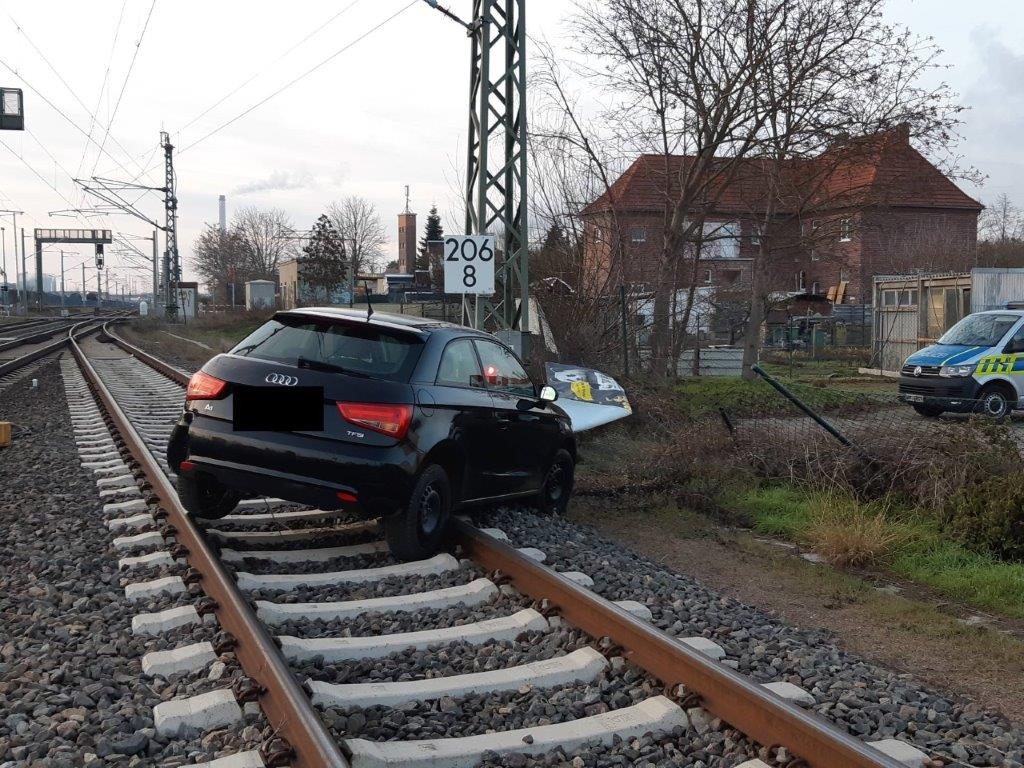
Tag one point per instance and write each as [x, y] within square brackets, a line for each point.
[358, 348]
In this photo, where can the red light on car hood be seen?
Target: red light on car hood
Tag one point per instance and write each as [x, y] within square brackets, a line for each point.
[388, 419]
[203, 386]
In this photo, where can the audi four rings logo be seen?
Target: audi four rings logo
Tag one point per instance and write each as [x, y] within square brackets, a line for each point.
[280, 378]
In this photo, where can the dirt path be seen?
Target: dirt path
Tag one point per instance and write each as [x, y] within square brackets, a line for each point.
[907, 632]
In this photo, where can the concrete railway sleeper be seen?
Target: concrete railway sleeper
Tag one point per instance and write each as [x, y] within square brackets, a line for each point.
[525, 659]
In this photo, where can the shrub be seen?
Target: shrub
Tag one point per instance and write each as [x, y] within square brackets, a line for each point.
[849, 533]
[989, 516]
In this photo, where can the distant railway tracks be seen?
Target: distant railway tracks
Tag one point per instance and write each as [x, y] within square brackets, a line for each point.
[358, 660]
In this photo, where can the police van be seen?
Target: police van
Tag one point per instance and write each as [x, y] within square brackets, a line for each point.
[978, 365]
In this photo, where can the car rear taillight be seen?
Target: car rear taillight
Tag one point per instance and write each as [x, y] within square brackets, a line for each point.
[203, 386]
[390, 420]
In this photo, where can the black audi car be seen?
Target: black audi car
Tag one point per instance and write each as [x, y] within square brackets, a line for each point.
[388, 416]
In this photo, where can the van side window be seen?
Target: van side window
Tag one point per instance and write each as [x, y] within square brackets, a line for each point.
[460, 366]
[1016, 343]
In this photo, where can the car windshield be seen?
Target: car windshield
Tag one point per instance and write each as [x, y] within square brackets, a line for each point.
[341, 346]
[979, 330]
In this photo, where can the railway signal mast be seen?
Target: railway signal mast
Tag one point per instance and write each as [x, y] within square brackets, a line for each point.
[112, 193]
[496, 180]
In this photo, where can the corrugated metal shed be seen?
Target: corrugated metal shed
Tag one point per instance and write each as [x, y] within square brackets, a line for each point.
[991, 288]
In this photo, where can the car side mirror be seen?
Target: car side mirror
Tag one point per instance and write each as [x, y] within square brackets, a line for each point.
[548, 394]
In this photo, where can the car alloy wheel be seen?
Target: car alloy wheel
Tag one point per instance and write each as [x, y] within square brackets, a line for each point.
[431, 510]
[554, 485]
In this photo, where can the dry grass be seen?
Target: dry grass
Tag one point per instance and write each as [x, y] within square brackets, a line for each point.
[849, 534]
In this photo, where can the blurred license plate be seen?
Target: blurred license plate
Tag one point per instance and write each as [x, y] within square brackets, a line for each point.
[278, 409]
[914, 398]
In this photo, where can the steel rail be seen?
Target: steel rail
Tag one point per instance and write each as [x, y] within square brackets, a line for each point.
[286, 705]
[20, 362]
[746, 706]
[174, 374]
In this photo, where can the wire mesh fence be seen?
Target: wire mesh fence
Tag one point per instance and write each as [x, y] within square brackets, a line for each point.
[962, 468]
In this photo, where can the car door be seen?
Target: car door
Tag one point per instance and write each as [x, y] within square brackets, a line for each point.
[460, 393]
[1013, 352]
[529, 430]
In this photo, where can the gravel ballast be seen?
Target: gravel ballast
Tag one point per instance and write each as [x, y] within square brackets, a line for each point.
[869, 701]
[71, 688]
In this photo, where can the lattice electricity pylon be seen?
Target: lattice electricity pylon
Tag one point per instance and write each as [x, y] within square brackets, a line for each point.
[172, 260]
[496, 188]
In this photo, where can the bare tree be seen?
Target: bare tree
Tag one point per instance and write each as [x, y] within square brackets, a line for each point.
[1001, 221]
[220, 260]
[268, 237]
[362, 231]
[727, 94]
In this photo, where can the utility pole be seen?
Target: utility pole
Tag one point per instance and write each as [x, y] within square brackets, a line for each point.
[172, 270]
[156, 280]
[14, 237]
[99, 289]
[62, 278]
[83, 285]
[496, 172]
[24, 270]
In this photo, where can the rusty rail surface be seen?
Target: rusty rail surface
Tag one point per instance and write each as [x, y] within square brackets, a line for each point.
[284, 702]
[746, 706]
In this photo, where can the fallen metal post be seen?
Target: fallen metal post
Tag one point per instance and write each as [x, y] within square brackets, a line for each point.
[777, 386]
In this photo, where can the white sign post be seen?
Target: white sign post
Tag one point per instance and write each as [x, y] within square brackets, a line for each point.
[469, 264]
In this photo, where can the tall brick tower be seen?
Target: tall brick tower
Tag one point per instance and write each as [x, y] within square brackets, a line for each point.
[406, 239]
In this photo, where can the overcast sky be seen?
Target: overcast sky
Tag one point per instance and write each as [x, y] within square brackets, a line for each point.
[388, 111]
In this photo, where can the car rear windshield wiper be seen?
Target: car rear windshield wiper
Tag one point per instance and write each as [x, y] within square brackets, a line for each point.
[320, 365]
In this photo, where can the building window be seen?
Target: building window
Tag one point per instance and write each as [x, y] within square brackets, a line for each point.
[638, 234]
[721, 239]
[801, 280]
[815, 289]
[708, 278]
[844, 275]
[815, 226]
[845, 230]
[755, 236]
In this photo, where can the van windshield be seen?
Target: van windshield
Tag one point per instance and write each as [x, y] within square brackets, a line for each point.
[979, 330]
[342, 346]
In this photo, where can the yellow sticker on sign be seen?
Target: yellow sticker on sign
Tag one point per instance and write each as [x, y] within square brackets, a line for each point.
[582, 390]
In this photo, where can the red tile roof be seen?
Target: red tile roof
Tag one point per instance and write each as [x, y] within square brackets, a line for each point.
[879, 170]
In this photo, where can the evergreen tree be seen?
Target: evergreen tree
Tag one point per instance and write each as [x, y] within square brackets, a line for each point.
[433, 232]
[324, 262]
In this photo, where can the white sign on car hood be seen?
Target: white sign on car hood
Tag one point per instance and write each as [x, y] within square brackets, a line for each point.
[590, 398]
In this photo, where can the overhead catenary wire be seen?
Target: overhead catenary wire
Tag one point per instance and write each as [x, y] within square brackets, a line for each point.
[42, 55]
[300, 77]
[124, 83]
[60, 112]
[323, 25]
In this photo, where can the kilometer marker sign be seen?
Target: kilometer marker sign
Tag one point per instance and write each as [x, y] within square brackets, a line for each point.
[469, 264]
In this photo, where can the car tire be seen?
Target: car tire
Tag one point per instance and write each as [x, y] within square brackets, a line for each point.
[205, 498]
[995, 402]
[418, 531]
[931, 411]
[559, 479]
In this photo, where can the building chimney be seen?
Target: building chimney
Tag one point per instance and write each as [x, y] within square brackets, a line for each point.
[406, 239]
[223, 202]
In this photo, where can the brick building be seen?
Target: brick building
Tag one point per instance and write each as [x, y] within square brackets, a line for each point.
[867, 206]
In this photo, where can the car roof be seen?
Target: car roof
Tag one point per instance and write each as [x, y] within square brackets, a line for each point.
[1017, 312]
[421, 325]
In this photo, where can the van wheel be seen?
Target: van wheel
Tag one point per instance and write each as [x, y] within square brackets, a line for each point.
[418, 531]
[996, 401]
[928, 410]
[205, 498]
[558, 484]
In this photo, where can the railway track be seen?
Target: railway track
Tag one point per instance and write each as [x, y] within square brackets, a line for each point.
[485, 655]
